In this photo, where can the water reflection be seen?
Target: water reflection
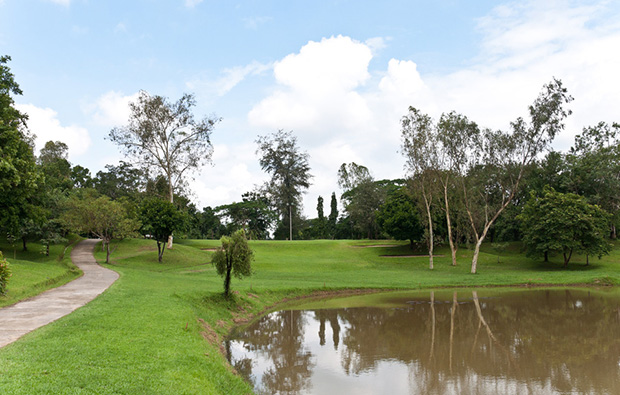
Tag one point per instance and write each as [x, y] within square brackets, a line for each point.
[544, 341]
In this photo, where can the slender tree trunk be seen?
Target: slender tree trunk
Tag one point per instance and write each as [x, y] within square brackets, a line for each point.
[546, 256]
[107, 256]
[171, 193]
[160, 250]
[430, 231]
[567, 258]
[449, 224]
[290, 221]
[227, 279]
[24, 244]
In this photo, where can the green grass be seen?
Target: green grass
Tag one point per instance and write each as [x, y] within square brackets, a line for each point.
[146, 334]
[33, 272]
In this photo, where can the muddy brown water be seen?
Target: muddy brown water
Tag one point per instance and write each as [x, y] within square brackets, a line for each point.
[437, 342]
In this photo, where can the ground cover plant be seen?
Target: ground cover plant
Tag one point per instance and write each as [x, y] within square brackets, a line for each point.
[159, 328]
[32, 272]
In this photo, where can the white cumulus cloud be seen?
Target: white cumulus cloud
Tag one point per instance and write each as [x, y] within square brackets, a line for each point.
[44, 123]
[111, 109]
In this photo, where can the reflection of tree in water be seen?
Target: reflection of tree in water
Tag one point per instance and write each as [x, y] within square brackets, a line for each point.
[566, 341]
[280, 336]
[332, 316]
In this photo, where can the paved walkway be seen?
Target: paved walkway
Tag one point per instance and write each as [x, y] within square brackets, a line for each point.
[26, 316]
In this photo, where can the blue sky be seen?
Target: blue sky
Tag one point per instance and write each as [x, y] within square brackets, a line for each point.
[340, 74]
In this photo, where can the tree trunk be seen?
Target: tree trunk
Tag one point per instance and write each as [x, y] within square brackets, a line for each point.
[24, 244]
[430, 232]
[546, 256]
[107, 255]
[567, 258]
[227, 279]
[290, 221]
[452, 247]
[613, 234]
[160, 250]
[171, 192]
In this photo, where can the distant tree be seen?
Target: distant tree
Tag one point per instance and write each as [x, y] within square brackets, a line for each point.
[333, 215]
[105, 218]
[160, 219]
[119, 181]
[209, 224]
[320, 225]
[55, 166]
[565, 223]
[81, 177]
[233, 258]
[253, 214]
[290, 173]
[165, 138]
[399, 217]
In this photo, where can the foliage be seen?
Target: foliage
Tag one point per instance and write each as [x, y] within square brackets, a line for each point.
[332, 219]
[253, 214]
[164, 137]
[233, 258]
[290, 173]
[5, 274]
[399, 217]
[119, 181]
[160, 219]
[100, 216]
[565, 223]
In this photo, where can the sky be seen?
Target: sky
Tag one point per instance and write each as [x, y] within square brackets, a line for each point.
[340, 74]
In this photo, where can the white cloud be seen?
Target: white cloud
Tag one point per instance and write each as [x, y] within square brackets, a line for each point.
[111, 109]
[230, 78]
[44, 123]
[342, 112]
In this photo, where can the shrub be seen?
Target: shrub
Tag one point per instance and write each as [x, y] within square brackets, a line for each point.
[5, 273]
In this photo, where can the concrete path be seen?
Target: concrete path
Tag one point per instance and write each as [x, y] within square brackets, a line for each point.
[26, 316]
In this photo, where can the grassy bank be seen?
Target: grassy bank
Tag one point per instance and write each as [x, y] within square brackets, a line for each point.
[33, 272]
[146, 334]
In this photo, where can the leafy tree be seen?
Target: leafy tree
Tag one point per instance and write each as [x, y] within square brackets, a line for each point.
[233, 258]
[499, 160]
[160, 219]
[209, 224]
[105, 218]
[165, 138]
[563, 223]
[420, 148]
[290, 173]
[55, 166]
[81, 177]
[399, 217]
[253, 214]
[119, 181]
[320, 224]
[19, 176]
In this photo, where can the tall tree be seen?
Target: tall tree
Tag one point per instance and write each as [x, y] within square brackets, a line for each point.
[500, 160]
[160, 219]
[19, 176]
[419, 146]
[165, 138]
[333, 215]
[290, 173]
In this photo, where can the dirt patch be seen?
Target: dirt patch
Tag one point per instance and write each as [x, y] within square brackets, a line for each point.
[211, 336]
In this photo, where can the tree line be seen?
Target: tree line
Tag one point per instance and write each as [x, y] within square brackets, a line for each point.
[463, 185]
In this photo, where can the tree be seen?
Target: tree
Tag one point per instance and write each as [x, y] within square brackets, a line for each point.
[399, 217]
[160, 219]
[19, 176]
[253, 214]
[290, 173]
[500, 160]
[55, 166]
[563, 222]
[119, 181]
[333, 215]
[105, 218]
[164, 138]
[419, 146]
[233, 258]
[5, 274]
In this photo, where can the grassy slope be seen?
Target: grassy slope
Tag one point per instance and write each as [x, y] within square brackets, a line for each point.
[142, 336]
[33, 272]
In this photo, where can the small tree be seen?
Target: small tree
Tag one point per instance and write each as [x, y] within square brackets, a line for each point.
[159, 220]
[399, 217]
[563, 222]
[5, 274]
[233, 258]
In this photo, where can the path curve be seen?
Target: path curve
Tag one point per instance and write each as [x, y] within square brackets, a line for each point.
[33, 313]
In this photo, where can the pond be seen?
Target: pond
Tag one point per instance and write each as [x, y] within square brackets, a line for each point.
[490, 341]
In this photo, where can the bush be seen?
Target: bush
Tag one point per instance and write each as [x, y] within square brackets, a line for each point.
[5, 273]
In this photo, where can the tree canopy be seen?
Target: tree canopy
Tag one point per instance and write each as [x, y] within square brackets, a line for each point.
[233, 258]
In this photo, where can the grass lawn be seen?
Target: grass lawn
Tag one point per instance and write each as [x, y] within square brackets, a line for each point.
[158, 329]
[33, 272]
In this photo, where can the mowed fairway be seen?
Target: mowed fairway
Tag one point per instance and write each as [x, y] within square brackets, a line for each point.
[143, 335]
